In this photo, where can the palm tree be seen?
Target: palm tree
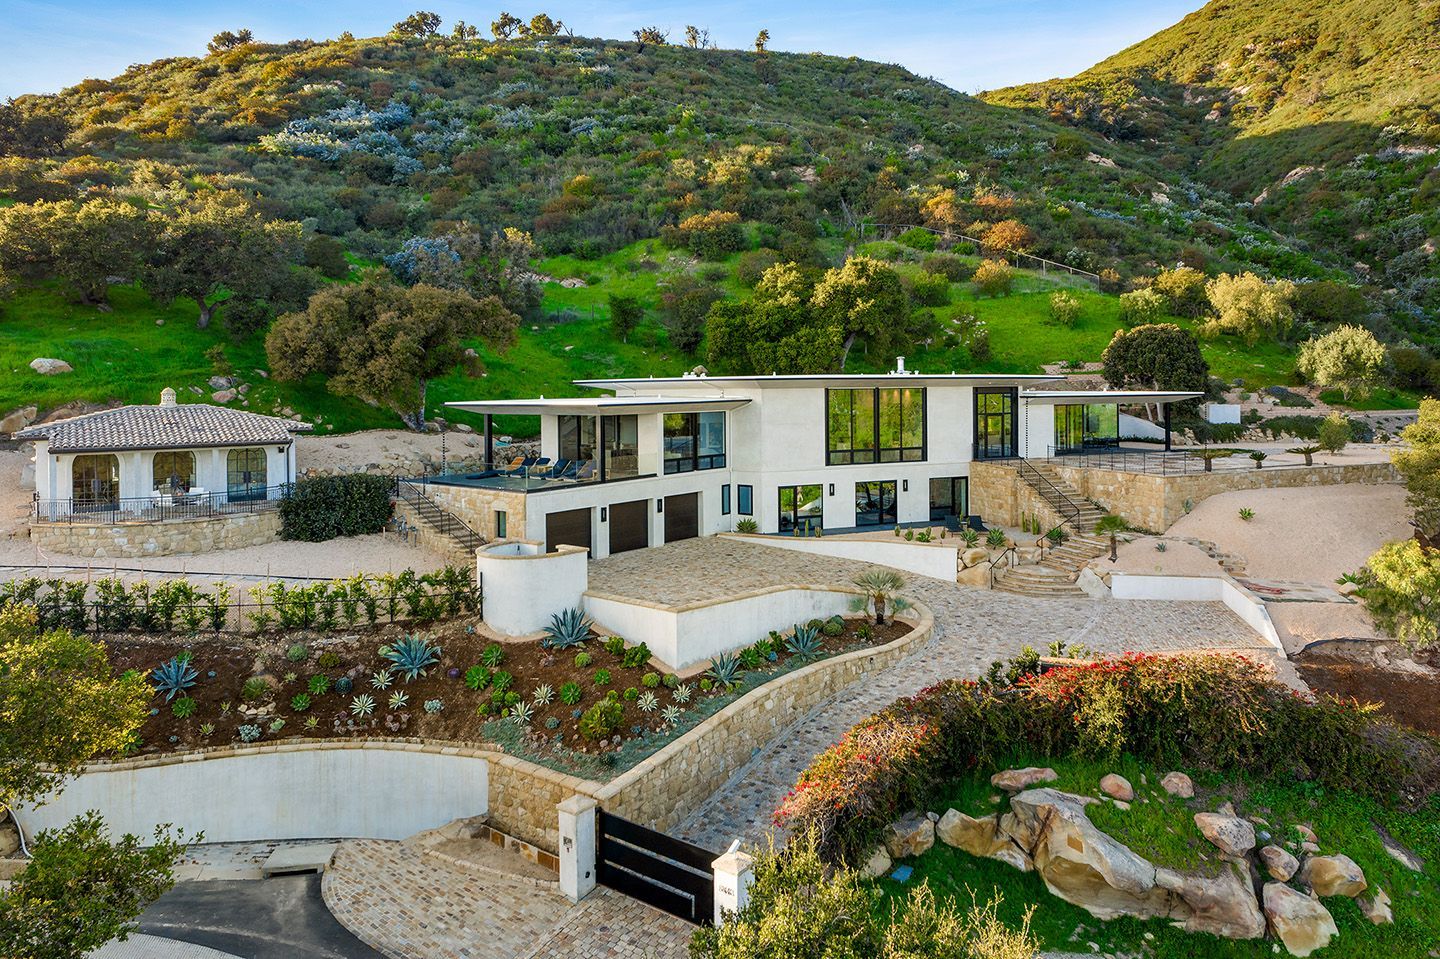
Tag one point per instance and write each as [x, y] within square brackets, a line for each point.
[880, 587]
[1112, 524]
[1210, 455]
[1306, 451]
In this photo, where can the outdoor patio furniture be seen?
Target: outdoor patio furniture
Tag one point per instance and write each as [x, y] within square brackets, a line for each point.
[518, 466]
[585, 472]
[558, 471]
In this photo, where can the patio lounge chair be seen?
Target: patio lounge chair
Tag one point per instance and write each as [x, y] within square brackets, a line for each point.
[536, 469]
[559, 470]
[585, 472]
[518, 467]
[500, 470]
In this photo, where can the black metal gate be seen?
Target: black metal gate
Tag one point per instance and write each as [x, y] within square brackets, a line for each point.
[657, 869]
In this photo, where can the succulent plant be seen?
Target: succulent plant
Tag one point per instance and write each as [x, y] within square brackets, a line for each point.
[328, 659]
[650, 680]
[552, 723]
[543, 694]
[399, 700]
[319, 684]
[173, 678]
[477, 677]
[248, 733]
[570, 693]
[501, 681]
[493, 655]
[312, 722]
[569, 627]
[671, 680]
[183, 708]
[383, 679]
[635, 657]
[277, 724]
[804, 642]
[255, 689]
[614, 645]
[522, 713]
[671, 714]
[631, 694]
[290, 677]
[433, 706]
[648, 702]
[362, 705]
[300, 702]
[297, 653]
[207, 729]
[682, 693]
[344, 686]
[602, 677]
[583, 659]
[725, 670]
[412, 657]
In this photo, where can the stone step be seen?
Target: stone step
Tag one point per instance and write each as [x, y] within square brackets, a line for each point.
[1064, 592]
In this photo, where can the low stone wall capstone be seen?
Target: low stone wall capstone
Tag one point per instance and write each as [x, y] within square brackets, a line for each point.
[160, 538]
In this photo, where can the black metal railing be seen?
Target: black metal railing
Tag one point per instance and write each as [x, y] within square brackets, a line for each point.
[103, 511]
[436, 516]
[1122, 460]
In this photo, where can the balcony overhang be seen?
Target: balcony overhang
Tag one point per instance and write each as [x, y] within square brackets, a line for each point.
[1121, 397]
[599, 405]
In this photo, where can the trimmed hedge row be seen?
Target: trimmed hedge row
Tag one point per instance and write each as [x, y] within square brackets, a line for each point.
[329, 506]
[1213, 712]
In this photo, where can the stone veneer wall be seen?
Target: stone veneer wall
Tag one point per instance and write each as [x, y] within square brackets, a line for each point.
[1147, 501]
[1155, 502]
[159, 538]
[476, 507]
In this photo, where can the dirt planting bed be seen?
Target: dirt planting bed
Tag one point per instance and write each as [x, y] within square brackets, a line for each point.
[1409, 696]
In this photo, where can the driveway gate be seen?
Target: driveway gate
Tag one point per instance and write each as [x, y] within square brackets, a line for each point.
[659, 870]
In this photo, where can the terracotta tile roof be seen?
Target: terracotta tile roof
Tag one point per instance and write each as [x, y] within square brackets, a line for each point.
[167, 426]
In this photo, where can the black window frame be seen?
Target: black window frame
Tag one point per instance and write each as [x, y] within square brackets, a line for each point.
[502, 523]
[695, 462]
[1011, 446]
[877, 453]
[745, 499]
[894, 512]
[812, 523]
[725, 499]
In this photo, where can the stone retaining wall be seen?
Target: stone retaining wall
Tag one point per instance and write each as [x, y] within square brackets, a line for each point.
[160, 538]
[476, 507]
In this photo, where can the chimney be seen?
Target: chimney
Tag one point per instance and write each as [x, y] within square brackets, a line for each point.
[899, 364]
[167, 397]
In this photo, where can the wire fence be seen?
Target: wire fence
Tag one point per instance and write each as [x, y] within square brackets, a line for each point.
[179, 607]
[1045, 266]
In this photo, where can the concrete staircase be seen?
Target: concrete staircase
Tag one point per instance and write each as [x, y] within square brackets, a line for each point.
[1055, 575]
[1077, 514]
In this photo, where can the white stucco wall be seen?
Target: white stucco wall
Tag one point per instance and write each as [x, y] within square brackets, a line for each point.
[380, 791]
[1134, 426]
[1222, 412]
[1239, 600]
[523, 586]
[925, 559]
[688, 636]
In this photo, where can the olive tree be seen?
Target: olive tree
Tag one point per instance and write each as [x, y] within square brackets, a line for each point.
[1420, 467]
[1348, 358]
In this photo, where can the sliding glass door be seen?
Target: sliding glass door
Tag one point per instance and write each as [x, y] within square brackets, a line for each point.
[875, 504]
[801, 508]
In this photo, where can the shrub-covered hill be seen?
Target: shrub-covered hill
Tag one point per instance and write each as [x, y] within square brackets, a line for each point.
[1325, 117]
[592, 144]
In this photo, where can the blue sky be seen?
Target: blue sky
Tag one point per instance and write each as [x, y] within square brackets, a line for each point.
[969, 44]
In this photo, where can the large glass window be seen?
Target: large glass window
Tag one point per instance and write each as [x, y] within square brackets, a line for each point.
[994, 424]
[577, 438]
[95, 481]
[949, 498]
[621, 440]
[1082, 426]
[694, 441]
[801, 508]
[874, 426]
[245, 474]
[745, 500]
[174, 471]
[875, 504]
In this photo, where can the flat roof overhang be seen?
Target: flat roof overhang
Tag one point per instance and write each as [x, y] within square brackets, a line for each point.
[599, 405]
[1107, 396]
[832, 380]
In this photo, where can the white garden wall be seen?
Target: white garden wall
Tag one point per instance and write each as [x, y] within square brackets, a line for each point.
[319, 790]
[1211, 589]
[523, 586]
[925, 559]
[682, 637]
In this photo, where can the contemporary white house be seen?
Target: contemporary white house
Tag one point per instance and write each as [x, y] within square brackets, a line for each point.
[655, 460]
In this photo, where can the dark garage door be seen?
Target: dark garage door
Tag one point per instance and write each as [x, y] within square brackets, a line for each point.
[629, 526]
[682, 517]
[569, 527]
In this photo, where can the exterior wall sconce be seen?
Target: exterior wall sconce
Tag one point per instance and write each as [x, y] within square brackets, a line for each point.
[832, 489]
[604, 514]
[905, 486]
[659, 506]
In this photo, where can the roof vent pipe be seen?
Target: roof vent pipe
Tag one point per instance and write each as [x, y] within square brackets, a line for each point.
[899, 364]
[167, 397]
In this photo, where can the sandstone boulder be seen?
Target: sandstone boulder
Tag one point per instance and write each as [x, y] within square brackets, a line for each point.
[1279, 863]
[1015, 780]
[1012, 856]
[975, 556]
[1078, 862]
[1117, 787]
[9, 838]
[1307, 833]
[1230, 834]
[1222, 905]
[222, 396]
[978, 837]
[1092, 585]
[1178, 784]
[877, 864]
[48, 366]
[1376, 908]
[1297, 920]
[910, 835]
[18, 420]
[1333, 876]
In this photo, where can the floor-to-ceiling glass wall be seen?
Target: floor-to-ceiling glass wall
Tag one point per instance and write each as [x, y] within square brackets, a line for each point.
[801, 508]
[994, 424]
[1086, 426]
[949, 499]
[875, 503]
[694, 441]
[620, 437]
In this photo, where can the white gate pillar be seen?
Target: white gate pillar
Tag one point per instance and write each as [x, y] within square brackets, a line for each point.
[577, 846]
[734, 872]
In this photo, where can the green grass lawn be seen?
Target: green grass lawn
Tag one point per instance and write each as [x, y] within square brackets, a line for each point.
[1163, 831]
[125, 356]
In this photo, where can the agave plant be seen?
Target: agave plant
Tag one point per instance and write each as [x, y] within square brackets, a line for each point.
[543, 694]
[399, 700]
[804, 642]
[362, 705]
[312, 722]
[569, 627]
[671, 714]
[682, 693]
[319, 684]
[522, 713]
[724, 669]
[648, 702]
[383, 679]
[412, 657]
[174, 677]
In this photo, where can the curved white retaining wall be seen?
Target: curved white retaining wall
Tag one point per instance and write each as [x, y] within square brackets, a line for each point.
[524, 586]
[936, 560]
[685, 636]
[314, 790]
[1210, 589]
